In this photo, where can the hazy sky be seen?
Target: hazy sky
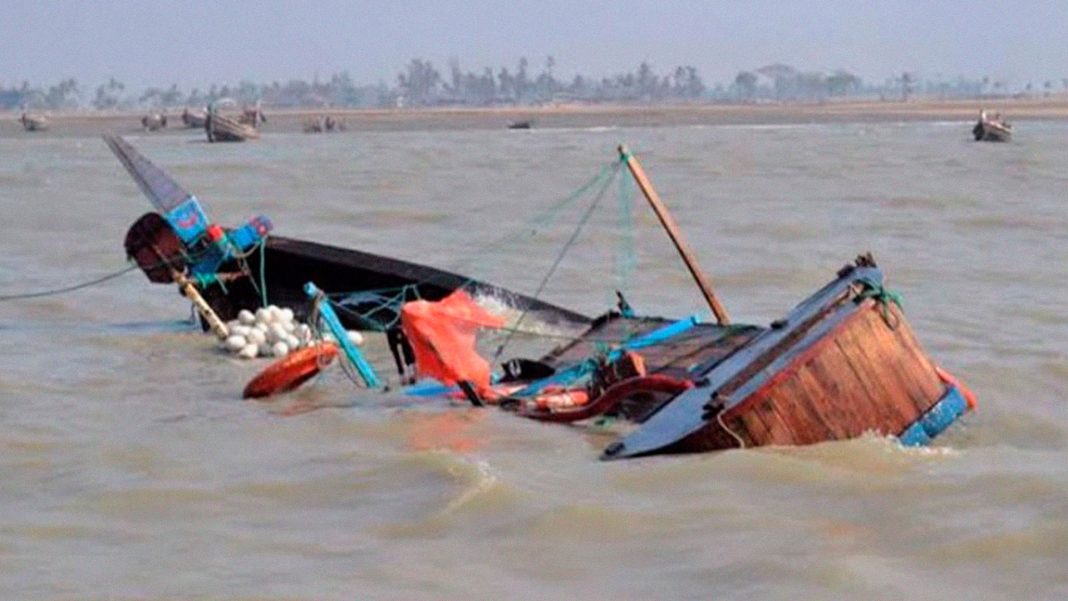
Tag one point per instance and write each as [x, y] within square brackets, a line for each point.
[195, 43]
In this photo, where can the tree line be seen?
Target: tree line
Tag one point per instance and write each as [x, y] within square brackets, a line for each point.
[422, 84]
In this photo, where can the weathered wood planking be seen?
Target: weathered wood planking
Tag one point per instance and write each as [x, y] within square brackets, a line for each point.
[865, 375]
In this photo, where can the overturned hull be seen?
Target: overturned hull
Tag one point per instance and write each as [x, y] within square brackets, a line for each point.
[368, 288]
[843, 363]
[240, 268]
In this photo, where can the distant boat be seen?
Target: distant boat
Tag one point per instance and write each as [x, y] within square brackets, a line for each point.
[991, 129]
[194, 119]
[221, 128]
[324, 124]
[153, 122]
[520, 124]
[33, 122]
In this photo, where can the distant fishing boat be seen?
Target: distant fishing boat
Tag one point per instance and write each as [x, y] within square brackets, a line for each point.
[154, 122]
[31, 122]
[525, 124]
[222, 128]
[324, 124]
[194, 119]
[991, 129]
[842, 363]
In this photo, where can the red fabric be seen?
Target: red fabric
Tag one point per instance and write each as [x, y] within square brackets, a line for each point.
[442, 335]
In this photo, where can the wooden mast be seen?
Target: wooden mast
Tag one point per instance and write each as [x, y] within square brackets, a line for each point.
[675, 234]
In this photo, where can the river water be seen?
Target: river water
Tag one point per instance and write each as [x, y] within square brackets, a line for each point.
[131, 469]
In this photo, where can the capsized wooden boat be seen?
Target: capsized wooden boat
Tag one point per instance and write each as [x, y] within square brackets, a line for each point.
[843, 363]
[241, 268]
[991, 129]
[32, 122]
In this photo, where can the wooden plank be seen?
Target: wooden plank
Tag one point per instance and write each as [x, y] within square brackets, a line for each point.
[896, 364]
[854, 406]
[676, 236]
[864, 349]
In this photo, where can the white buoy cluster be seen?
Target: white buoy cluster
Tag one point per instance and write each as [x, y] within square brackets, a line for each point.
[271, 332]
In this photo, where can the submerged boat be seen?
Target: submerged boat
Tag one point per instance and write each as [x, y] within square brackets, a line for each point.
[842, 363]
[991, 129]
[248, 267]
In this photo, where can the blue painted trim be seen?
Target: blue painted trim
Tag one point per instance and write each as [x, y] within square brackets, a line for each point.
[353, 354]
[939, 417]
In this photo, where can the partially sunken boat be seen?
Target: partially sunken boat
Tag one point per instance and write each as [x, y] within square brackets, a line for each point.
[991, 129]
[246, 268]
[843, 363]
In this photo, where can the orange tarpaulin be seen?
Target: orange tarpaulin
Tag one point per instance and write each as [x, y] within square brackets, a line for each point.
[442, 336]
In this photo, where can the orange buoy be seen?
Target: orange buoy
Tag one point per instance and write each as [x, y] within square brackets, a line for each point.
[291, 371]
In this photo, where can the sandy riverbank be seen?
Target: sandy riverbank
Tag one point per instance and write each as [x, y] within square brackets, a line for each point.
[292, 120]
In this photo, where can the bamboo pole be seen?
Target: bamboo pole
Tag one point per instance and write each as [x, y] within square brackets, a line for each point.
[189, 290]
[675, 234]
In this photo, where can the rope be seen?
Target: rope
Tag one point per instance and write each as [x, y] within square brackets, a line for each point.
[65, 289]
[719, 418]
[883, 296]
[560, 257]
[263, 270]
[534, 225]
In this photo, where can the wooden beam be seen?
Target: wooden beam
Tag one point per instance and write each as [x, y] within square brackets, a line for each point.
[675, 234]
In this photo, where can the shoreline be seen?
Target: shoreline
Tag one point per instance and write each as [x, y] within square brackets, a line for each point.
[574, 115]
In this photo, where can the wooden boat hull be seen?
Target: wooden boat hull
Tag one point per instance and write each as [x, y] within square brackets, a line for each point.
[224, 129]
[843, 363]
[361, 283]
